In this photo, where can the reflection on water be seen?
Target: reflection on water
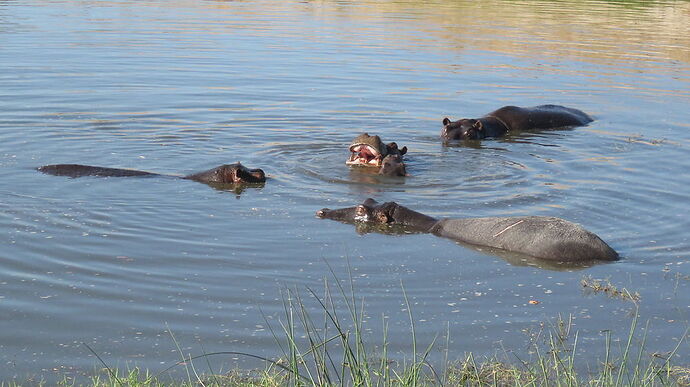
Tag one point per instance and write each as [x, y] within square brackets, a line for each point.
[181, 86]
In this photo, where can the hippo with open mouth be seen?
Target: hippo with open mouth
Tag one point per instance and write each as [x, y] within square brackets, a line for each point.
[224, 174]
[513, 119]
[370, 151]
[542, 237]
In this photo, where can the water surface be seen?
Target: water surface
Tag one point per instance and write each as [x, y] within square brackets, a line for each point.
[180, 86]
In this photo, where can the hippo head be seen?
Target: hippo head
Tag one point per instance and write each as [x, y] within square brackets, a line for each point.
[387, 214]
[239, 174]
[230, 174]
[392, 165]
[369, 211]
[369, 151]
[465, 128]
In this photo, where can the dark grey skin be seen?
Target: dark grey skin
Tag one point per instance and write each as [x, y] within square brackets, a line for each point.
[224, 174]
[513, 119]
[393, 165]
[542, 237]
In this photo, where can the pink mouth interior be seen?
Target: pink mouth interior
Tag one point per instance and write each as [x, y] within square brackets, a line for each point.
[364, 155]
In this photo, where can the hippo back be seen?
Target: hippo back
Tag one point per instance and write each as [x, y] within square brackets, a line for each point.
[538, 236]
[540, 117]
[78, 170]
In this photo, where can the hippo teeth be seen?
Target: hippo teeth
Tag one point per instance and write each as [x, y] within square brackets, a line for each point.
[363, 154]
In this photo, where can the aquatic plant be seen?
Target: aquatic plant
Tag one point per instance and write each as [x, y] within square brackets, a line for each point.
[605, 286]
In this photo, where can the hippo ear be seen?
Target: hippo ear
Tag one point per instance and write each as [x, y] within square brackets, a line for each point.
[478, 125]
[370, 202]
[446, 121]
[403, 150]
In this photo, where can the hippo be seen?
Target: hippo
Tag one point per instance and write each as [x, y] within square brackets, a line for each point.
[370, 151]
[393, 165]
[546, 238]
[513, 119]
[224, 174]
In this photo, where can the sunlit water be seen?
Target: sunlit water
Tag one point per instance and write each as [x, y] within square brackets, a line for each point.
[181, 86]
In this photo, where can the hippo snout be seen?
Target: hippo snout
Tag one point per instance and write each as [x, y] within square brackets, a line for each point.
[322, 212]
[258, 174]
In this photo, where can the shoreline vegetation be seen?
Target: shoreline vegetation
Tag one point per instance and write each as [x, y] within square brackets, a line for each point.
[328, 348]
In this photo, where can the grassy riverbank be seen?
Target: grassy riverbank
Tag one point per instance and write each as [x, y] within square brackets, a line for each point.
[325, 345]
[351, 364]
[554, 368]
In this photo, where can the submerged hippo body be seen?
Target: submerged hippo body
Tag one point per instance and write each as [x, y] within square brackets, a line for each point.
[513, 119]
[538, 236]
[370, 151]
[224, 174]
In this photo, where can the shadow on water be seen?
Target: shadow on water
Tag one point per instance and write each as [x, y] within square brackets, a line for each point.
[236, 189]
[368, 175]
[530, 137]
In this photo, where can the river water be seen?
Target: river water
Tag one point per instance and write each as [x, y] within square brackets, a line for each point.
[181, 86]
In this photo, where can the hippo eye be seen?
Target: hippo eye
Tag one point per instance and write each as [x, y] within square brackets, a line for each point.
[235, 176]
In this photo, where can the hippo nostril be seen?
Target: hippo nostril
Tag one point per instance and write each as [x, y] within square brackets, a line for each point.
[258, 175]
[322, 212]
